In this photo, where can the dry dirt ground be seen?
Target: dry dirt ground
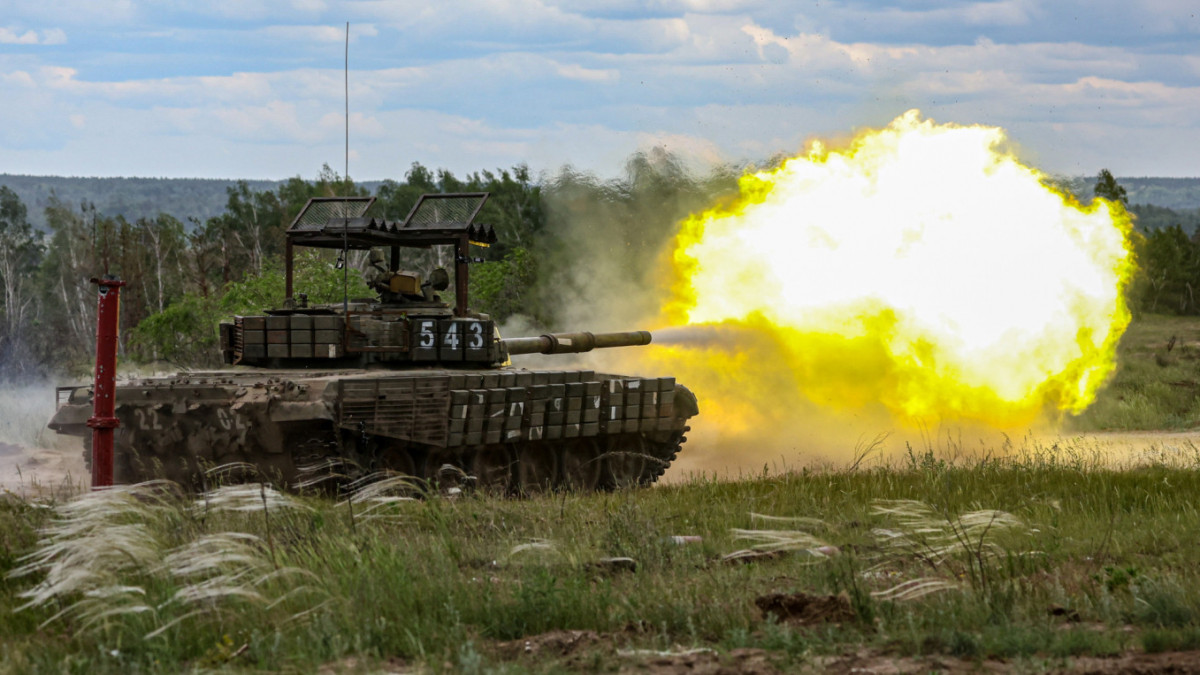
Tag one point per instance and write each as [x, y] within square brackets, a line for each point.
[583, 650]
[55, 470]
[588, 651]
[1142, 446]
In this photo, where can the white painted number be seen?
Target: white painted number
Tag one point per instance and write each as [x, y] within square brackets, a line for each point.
[450, 339]
[425, 331]
[230, 420]
[476, 329]
[147, 420]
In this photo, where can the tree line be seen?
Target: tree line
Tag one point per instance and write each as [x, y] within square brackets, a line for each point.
[565, 241]
[1168, 257]
[183, 275]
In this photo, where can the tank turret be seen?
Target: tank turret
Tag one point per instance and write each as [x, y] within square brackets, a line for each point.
[402, 382]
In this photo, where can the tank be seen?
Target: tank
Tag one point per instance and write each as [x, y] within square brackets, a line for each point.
[403, 382]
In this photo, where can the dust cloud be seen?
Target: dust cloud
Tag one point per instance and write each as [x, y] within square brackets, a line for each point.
[761, 405]
[35, 461]
[615, 274]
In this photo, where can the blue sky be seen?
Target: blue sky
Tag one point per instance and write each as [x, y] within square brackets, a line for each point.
[253, 88]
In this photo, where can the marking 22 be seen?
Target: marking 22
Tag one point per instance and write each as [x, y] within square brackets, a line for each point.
[147, 419]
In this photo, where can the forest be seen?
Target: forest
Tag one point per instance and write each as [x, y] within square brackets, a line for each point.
[560, 235]
[185, 275]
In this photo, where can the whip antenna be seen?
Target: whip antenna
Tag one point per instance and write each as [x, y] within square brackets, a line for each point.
[345, 184]
[346, 87]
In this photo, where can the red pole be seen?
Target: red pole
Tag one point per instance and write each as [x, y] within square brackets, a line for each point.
[103, 420]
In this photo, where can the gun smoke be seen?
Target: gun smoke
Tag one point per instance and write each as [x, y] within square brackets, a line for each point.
[809, 315]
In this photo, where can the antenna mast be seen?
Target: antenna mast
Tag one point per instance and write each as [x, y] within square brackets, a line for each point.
[346, 185]
[346, 83]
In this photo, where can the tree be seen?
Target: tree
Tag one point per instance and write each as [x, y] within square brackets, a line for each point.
[163, 241]
[1171, 263]
[68, 300]
[1108, 188]
[20, 254]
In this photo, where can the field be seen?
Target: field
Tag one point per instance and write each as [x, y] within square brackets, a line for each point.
[1043, 559]
[1157, 384]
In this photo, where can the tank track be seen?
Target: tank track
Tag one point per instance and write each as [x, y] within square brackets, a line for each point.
[601, 464]
[581, 465]
[321, 432]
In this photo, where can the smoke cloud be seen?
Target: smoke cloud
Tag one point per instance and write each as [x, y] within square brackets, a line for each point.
[33, 459]
[867, 381]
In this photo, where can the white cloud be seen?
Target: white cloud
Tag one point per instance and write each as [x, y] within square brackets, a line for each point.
[311, 34]
[1003, 13]
[480, 83]
[17, 78]
[662, 6]
[697, 153]
[362, 127]
[16, 36]
[574, 71]
[84, 13]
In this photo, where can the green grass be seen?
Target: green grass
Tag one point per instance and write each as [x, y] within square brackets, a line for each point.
[441, 582]
[1035, 559]
[1157, 383]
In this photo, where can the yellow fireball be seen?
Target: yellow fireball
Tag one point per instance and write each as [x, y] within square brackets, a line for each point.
[922, 268]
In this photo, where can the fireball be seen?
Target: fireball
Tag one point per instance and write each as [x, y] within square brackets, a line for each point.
[922, 269]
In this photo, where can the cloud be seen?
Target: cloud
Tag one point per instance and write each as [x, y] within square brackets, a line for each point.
[83, 13]
[503, 81]
[310, 34]
[573, 71]
[15, 36]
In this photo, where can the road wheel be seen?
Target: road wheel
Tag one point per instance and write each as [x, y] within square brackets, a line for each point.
[537, 468]
[398, 458]
[492, 468]
[625, 461]
[582, 466]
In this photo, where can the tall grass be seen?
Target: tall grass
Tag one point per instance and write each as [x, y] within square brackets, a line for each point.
[976, 558]
[1156, 384]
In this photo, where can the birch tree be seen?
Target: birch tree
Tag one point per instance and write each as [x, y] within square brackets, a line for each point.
[20, 255]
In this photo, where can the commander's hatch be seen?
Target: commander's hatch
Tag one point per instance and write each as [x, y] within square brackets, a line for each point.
[436, 219]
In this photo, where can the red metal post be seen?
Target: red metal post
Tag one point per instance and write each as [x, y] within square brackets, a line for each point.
[104, 393]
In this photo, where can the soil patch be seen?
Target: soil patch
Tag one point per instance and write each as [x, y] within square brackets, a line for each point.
[555, 644]
[1138, 664]
[1168, 663]
[805, 609]
[576, 649]
[702, 662]
[55, 471]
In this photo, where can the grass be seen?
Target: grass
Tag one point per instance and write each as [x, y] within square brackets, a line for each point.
[1028, 557]
[1035, 558]
[1157, 383]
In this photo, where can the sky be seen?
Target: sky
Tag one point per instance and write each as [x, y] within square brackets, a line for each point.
[254, 88]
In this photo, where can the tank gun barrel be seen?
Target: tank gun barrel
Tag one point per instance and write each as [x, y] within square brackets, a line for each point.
[573, 343]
